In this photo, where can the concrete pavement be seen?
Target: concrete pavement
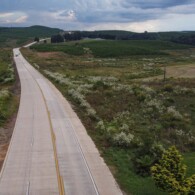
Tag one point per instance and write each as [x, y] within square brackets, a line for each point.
[29, 167]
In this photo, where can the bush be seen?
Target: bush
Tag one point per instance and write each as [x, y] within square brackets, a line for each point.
[36, 39]
[169, 174]
[123, 139]
[146, 156]
[168, 88]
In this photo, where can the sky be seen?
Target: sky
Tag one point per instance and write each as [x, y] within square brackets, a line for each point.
[131, 15]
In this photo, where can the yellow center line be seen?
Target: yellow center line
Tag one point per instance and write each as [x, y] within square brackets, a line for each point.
[60, 179]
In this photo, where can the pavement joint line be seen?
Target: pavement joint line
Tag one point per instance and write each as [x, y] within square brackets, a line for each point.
[28, 189]
[83, 156]
[59, 178]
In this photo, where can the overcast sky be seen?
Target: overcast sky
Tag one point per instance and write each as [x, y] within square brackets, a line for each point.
[132, 15]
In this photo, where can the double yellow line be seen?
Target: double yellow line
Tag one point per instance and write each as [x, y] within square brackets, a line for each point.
[60, 179]
[53, 137]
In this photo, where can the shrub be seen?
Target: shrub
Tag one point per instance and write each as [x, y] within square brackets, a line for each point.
[36, 39]
[100, 126]
[169, 174]
[174, 114]
[168, 88]
[123, 139]
[146, 156]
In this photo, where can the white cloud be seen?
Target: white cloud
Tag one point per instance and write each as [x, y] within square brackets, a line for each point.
[13, 17]
[21, 19]
[170, 22]
[5, 15]
[134, 26]
[60, 16]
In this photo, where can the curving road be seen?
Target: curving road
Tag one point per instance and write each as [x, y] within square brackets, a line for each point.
[50, 151]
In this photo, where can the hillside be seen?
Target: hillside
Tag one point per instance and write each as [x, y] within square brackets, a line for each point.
[17, 36]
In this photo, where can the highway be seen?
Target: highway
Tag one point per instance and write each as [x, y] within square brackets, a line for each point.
[50, 151]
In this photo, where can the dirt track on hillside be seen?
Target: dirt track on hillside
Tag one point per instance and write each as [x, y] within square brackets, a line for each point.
[185, 71]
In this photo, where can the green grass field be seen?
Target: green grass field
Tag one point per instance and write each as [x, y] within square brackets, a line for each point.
[127, 48]
[129, 120]
[112, 49]
[66, 48]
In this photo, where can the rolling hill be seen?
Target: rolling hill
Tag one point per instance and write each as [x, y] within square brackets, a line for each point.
[17, 36]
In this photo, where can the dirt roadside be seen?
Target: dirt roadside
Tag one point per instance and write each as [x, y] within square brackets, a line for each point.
[7, 130]
[179, 71]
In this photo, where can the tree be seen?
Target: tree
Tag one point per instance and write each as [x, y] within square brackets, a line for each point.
[169, 174]
[72, 36]
[57, 38]
[36, 39]
[146, 156]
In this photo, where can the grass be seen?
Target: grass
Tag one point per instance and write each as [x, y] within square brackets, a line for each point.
[8, 101]
[127, 48]
[189, 160]
[109, 101]
[66, 48]
[130, 182]
[104, 49]
[8, 106]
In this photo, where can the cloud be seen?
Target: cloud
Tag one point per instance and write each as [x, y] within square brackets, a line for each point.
[171, 22]
[13, 18]
[154, 3]
[21, 19]
[125, 11]
[65, 15]
[5, 15]
[93, 14]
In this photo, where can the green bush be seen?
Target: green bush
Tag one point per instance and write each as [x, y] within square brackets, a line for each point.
[168, 88]
[169, 174]
[146, 156]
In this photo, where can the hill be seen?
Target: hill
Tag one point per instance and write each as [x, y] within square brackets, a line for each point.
[17, 36]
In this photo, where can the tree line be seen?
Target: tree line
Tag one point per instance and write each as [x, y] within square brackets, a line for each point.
[109, 35]
[177, 37]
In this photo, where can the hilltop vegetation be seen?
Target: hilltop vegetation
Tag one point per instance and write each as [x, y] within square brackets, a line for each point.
[17, 36]
[111, 48]
[131, 121]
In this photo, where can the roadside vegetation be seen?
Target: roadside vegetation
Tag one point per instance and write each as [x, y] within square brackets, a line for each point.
[7, 78]
[169, 174]
[131, 120]
[9, 100]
